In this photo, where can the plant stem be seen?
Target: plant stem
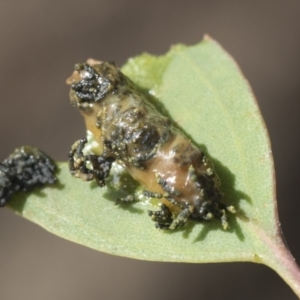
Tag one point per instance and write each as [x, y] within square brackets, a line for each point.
[284, 264]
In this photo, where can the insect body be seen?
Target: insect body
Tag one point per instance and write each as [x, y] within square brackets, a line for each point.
[130, 130]
[25, 169]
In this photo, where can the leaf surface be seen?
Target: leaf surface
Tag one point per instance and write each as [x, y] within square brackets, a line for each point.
[203, 91]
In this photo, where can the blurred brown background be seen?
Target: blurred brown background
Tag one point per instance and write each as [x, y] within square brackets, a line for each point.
[40, 42]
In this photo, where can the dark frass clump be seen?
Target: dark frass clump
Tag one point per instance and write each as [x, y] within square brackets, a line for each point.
[130, 131]
[25, 169]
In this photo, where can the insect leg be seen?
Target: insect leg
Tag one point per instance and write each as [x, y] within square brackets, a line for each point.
[181, 219]
[169, 189]
[224, 220]
[78, 164]
[205, 210]
[163, 218]
[77, 161]
[209, 209]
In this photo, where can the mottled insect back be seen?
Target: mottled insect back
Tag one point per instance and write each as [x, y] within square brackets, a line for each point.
[25, 169]
[130, 131]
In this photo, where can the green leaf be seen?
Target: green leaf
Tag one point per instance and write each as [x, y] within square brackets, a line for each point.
[202, 89]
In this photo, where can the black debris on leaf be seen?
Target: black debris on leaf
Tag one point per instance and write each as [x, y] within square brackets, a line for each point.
[25, 169]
